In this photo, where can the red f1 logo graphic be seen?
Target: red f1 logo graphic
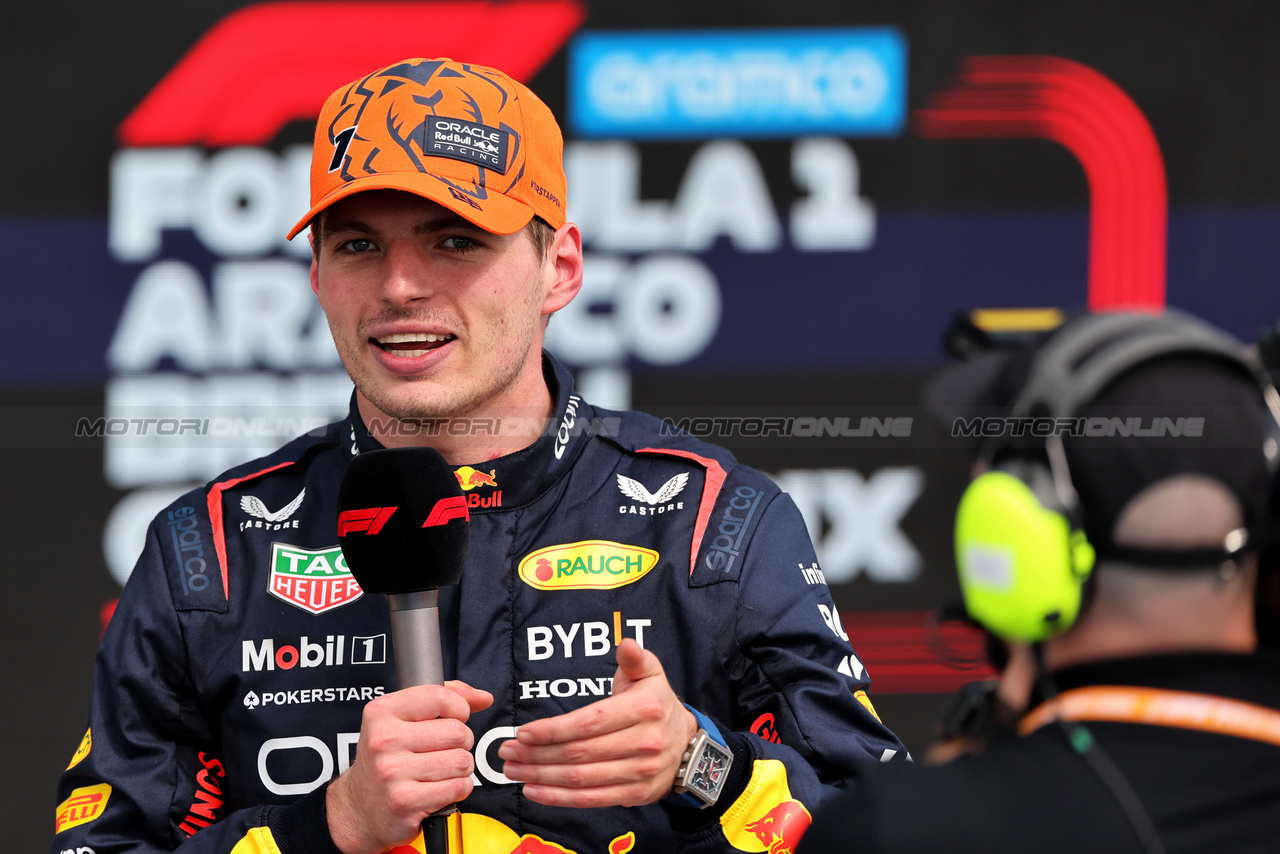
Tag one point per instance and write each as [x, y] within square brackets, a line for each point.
[446, 510]
[268, 64]
[370, 520]
[1061, 100]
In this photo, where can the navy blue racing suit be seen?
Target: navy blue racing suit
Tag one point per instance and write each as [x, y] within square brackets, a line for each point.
[230, 682]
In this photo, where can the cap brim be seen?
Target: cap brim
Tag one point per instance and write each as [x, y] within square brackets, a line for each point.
[494, 213]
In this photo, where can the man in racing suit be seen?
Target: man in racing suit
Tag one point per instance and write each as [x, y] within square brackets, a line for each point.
[615, 573]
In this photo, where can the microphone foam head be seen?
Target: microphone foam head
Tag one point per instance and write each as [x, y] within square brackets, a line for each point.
[403, 521]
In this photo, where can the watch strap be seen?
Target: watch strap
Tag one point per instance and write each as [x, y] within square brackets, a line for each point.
[709, 725]
[688, 799]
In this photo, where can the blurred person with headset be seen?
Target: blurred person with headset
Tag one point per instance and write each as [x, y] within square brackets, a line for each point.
[1115, 534]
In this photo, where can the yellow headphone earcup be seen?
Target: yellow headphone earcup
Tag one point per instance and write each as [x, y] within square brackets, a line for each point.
[1021, 566]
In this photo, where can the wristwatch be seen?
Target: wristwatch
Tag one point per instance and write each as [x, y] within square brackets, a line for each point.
[704, 768]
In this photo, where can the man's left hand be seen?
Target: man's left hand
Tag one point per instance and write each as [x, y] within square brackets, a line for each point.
[624, 750]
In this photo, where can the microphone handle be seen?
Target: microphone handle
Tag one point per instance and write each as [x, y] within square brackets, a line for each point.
[415, 638]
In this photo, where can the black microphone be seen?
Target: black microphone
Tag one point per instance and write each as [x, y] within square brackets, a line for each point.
[403, 525]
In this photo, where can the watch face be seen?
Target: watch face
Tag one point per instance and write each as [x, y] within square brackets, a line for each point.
[710, 770]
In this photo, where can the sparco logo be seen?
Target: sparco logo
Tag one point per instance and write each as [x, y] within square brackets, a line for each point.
[733, 525]
[335, 651]
[189, 548]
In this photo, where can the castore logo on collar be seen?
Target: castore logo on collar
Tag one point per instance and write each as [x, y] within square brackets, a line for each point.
[253, 505]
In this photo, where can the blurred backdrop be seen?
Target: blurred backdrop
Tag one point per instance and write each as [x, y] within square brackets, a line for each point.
[782, 207]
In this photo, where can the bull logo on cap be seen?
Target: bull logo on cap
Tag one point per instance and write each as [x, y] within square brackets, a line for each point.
[467, 137]
[389, 122]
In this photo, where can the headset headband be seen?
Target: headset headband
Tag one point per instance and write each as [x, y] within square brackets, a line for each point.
[1074, 366]
[1080, 360]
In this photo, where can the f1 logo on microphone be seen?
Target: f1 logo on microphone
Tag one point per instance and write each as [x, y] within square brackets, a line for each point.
[446, 510]
[370, 521]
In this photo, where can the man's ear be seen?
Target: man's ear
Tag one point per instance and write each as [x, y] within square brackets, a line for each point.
[315, 266]
[565, 258]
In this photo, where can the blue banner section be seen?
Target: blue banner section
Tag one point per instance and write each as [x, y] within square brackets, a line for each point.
[63, 294]
[746, 83]
[787, 309]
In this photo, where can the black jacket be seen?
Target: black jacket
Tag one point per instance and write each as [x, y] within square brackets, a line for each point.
[1204, 791]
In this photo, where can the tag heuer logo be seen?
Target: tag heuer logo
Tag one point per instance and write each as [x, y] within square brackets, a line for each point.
[313, 580]
[253, 505]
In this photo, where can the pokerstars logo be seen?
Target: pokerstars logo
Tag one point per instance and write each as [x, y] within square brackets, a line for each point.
[340, 694]
[586, 565]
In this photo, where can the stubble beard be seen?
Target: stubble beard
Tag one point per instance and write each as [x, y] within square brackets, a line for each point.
[394, 396]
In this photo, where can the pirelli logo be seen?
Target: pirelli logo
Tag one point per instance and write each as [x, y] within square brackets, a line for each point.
[84, 805]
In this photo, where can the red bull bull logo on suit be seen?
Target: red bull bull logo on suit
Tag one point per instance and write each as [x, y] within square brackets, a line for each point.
[772, 821]
[470, 478]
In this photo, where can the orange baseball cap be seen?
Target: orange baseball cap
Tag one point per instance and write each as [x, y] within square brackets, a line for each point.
[465, 136]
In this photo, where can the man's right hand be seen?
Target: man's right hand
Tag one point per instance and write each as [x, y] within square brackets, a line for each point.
[413, 758]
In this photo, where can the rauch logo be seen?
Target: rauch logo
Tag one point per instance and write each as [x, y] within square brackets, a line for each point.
[586, 565]
[314, 580]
